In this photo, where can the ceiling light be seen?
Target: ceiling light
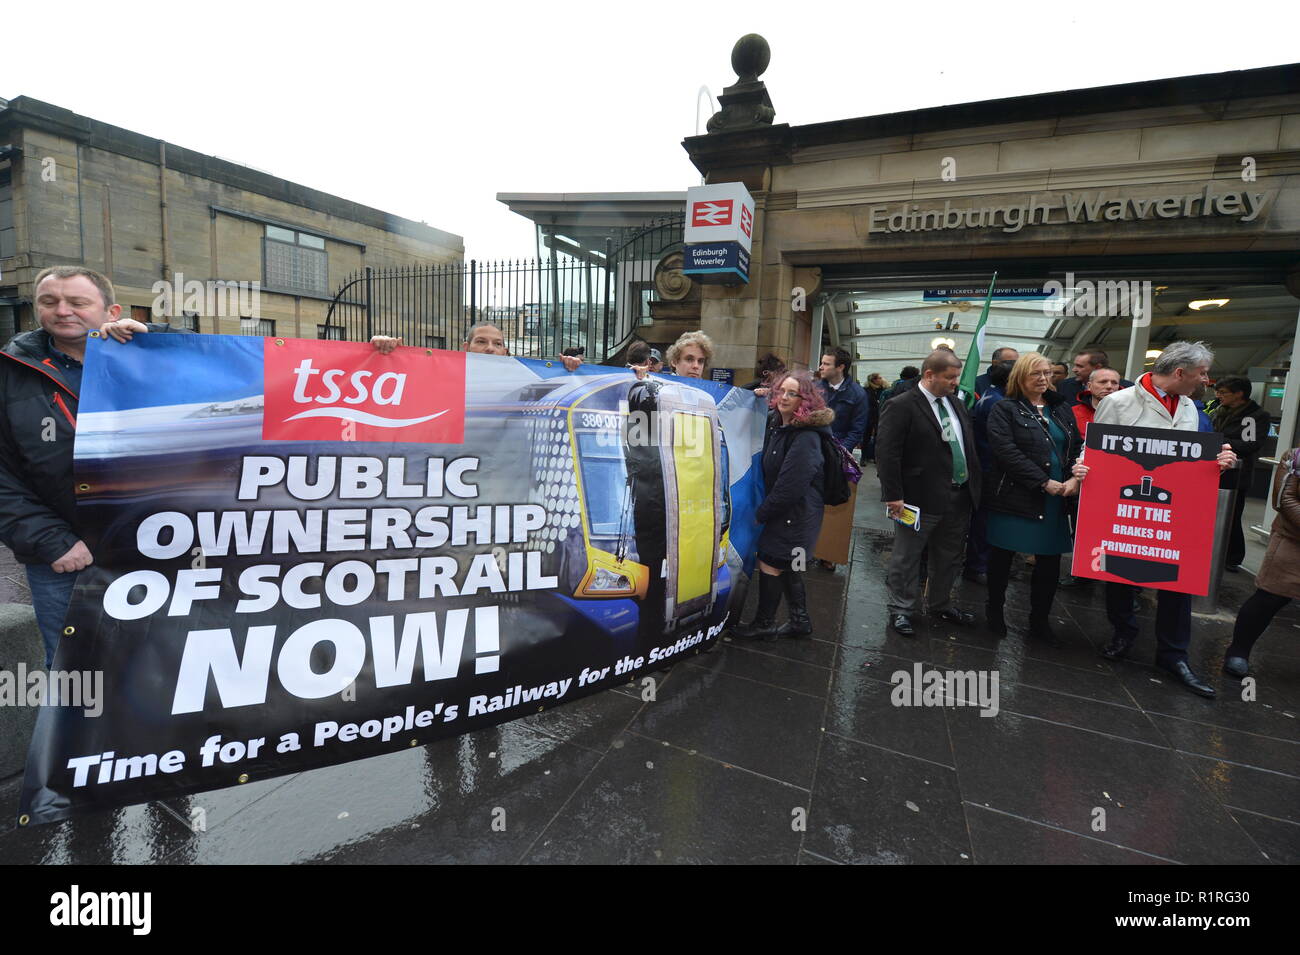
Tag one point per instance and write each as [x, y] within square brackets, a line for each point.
[935, 343]
[1208, 303]
[1154, 353]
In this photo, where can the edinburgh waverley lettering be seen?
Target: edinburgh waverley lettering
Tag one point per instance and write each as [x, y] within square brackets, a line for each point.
[1069, 208]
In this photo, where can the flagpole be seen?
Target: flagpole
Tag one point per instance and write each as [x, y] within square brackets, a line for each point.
[971, 370]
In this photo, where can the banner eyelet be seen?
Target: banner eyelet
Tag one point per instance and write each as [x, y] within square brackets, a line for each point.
[24, 819]
[83, 487]
[279, 343]
[69, 631]
[243, 778]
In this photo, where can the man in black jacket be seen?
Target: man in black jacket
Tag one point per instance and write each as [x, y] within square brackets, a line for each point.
[1244, 425]
[40, 379]
[925, 456]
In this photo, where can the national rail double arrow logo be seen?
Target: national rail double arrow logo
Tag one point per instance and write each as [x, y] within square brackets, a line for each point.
[712, 212]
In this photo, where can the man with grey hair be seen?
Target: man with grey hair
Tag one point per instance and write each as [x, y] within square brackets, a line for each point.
[1160, 399]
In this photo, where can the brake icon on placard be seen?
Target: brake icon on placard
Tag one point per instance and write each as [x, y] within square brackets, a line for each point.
[1146, 491]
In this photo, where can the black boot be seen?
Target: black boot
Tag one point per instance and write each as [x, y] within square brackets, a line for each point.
[763, 626]
[796, 602]
[1042, 591]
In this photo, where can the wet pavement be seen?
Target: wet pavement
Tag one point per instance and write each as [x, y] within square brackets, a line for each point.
[793, 752]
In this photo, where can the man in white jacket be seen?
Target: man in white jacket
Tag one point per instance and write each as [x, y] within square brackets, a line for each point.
[1160, 399]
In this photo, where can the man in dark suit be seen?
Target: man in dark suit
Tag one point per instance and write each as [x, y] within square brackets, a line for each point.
[925, 456]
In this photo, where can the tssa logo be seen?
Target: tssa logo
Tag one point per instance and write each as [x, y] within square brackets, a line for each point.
[344, 391]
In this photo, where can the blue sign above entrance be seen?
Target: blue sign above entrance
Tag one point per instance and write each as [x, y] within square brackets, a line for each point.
[720, 262]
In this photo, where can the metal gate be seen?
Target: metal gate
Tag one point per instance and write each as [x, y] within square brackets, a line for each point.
[576, 297]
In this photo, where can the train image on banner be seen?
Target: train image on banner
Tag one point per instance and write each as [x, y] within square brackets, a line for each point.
[635, 478]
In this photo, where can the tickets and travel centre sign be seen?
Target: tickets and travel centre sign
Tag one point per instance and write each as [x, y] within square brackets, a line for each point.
[719, 233]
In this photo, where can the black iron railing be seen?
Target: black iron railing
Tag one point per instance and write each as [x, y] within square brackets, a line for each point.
[573, 298]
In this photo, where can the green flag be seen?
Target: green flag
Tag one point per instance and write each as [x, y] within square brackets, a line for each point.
[972, 368]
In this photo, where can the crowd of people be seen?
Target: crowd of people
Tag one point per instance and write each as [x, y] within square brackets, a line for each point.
[995, 481]
[1017, 494]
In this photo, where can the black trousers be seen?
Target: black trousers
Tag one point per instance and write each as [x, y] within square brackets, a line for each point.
[1173, 621]
[1236, 537]
[1252, 620]
[1042, 585]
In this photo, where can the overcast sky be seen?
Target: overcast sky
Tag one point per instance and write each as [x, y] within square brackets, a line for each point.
[429, 111]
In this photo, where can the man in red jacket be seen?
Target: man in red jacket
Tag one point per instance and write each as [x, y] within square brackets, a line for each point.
[1102, 382]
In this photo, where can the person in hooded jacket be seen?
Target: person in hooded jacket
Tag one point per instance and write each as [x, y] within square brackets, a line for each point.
[1033, 440]
[791, 512]
[40, 383]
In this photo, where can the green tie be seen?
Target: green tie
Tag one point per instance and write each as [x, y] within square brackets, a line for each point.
[958, 459]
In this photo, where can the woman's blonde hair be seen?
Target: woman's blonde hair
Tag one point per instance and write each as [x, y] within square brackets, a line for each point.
[1020, 371]
[700, 340]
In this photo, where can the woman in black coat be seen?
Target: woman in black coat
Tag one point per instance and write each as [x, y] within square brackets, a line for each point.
[791, 512]
[1033, 440]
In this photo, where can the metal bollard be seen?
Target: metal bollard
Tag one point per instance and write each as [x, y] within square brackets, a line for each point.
[1210, 602]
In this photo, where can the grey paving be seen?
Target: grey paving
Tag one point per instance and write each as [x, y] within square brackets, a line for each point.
[795, 752]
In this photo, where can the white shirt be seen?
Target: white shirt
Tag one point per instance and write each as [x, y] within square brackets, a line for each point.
[952, 414]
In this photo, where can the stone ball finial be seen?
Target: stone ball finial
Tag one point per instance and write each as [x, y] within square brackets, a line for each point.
[749, 57]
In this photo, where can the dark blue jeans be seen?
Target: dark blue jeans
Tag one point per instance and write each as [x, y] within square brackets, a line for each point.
[51, 594]
[1173, 621]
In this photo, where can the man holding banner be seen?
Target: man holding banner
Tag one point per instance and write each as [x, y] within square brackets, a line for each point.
[1160, 400]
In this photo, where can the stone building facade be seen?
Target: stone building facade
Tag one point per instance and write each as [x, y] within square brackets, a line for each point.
[1193, 180]
[74, 190]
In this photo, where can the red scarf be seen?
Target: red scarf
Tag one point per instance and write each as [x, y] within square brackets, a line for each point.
[1169, 401]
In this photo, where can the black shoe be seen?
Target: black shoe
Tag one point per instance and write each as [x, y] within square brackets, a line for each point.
[796, 600]
[1072, 581]
[827, 565]
[995, 621]
[963, 618]
[902, 624]
[1236, 666]
[976, 578]
[1117, 649]
[1233, 568]
[763, 626]
[1183, 673]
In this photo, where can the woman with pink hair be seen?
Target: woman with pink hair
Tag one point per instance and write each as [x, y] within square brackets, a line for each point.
[791, 512]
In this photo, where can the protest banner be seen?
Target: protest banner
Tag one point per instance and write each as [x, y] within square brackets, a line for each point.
[1147, 506]
[306, 552]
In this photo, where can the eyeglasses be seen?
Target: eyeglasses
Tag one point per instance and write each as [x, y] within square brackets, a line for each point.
[1041, 374]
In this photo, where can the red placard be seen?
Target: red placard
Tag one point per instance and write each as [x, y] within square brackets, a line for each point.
[345, 391]
[1147, 507]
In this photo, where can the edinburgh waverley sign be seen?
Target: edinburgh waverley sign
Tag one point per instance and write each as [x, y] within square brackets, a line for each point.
[1071, 207]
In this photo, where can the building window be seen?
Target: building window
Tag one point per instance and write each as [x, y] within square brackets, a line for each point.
[333, 333]
[435, 341]
[8, 245]
[187, 320]
[295, 261]
[142, 313]
[261, 327]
